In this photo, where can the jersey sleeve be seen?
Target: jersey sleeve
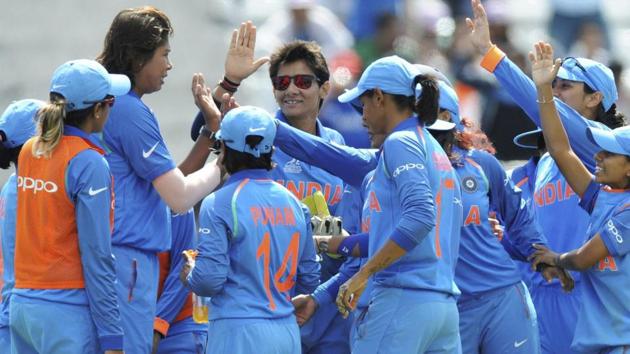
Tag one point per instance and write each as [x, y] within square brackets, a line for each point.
[174, 293]
[406, 162]
[348, 163]
[327, 292]
[523, 91]
[587, 202]
[505, 199]
[616, 233]
[141, 143]
[308, 267]
[89, 186]
[212, 264]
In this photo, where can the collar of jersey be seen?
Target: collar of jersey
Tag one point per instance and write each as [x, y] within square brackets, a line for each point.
[74, 131]
[318, 125]
[251, 174]
[410, 122]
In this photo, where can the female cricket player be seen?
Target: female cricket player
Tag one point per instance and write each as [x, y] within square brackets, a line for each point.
[64, 300]
[603, 322]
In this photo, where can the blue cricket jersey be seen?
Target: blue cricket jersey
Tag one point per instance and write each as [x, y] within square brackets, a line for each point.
[303, 179]
[255, 249]
[413, 202]
[8, 216]
[604, 319]
[88, 169]
[483, 263]
[137, 155]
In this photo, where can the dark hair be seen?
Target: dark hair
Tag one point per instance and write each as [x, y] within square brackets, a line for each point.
[235, 161]
[8, 155]
[132, 39]
[427, 107]
[611, 118]
[309, 52]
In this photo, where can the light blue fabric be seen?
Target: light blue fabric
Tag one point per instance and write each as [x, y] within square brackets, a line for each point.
[278, 336]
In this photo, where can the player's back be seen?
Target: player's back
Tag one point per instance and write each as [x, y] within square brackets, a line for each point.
[271, 253]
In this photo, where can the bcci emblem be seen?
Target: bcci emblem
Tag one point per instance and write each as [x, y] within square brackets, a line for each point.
[469, 184]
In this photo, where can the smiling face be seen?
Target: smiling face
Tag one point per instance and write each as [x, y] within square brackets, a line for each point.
[151, 75]
[612, 169]
[297, 103]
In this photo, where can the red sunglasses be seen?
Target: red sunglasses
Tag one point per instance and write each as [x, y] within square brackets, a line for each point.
[303, 82]
[109, 101]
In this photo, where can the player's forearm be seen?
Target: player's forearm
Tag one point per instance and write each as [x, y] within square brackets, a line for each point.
[556, 138]
[387, 255]
[197, 156]
[182, 192]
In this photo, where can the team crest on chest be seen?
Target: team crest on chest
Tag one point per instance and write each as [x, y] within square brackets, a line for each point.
[470, 184]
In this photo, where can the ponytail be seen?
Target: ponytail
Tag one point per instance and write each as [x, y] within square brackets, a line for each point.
[428, 99]
[611, 118]
[50, 127]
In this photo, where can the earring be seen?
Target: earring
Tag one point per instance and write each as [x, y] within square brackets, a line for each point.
[97, 117]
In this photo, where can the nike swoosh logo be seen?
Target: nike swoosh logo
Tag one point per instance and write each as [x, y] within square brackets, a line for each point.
[253, 130]
[518, 344]
[93, 192]
[146, 154]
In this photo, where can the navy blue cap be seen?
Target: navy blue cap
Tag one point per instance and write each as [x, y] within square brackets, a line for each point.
[519, 140]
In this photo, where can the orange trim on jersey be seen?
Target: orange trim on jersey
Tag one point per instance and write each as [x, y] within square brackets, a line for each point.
[522, 182]
[474, 163]
[161, 326]
[492, 58]
[46, 247]
[613, 190]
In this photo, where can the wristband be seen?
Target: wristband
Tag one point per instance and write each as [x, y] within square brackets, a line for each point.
[206, 132]
[227, 87]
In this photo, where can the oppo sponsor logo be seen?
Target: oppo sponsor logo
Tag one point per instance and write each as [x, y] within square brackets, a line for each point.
[613, 230]
[406, 167]
[36, 185]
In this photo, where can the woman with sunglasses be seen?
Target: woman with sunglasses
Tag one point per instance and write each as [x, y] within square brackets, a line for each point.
[146, 179]
[586, 95]
[64, 300]
[603, 322]
[300, 79]
[492, 296]
[17, 125]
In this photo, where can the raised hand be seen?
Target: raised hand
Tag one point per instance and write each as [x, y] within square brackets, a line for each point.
[228, 103]
[239, 62]
[203, 100]
[544, 68]
[479, 28]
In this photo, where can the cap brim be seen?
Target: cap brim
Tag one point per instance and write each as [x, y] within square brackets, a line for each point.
[441, 125]
[569, 75]
[524, 140]
[605, 139]
[350, 95]
[120, 85]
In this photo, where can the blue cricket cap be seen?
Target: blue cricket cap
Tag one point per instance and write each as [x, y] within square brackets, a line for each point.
[616, 141]
[594, 74]
[528, 140]
[245, 121]
[392, 75]
[450, 102]
[84, 82]
[19, 121]
[435, 72]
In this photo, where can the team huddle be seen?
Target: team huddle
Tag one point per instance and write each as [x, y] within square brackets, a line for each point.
[430, 245]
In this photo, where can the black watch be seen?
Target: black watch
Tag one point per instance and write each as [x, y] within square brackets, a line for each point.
[206, 132]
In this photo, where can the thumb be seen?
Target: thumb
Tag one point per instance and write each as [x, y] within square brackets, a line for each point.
[258, 63]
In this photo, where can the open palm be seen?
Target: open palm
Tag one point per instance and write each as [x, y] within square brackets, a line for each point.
[239, 62]
[544, 68]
